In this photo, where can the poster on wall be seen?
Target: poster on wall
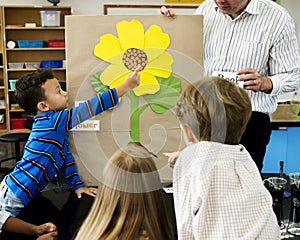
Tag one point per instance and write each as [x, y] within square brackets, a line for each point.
[100, 52]
[184, 1]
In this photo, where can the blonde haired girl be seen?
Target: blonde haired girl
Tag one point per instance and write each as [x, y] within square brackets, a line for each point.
[129, 205]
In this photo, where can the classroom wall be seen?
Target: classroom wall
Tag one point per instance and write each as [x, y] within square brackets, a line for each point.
[87, 7]
[95, 7]
[92, 7]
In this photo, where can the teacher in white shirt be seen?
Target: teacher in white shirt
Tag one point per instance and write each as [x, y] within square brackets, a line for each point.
[254, 40]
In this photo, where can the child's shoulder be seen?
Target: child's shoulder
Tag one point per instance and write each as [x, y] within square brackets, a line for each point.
[51, 118]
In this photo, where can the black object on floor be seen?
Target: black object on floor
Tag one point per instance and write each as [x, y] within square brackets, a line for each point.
[15, 138]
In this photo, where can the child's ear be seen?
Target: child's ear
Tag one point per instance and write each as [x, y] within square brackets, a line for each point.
[42, 107]
[190, 137]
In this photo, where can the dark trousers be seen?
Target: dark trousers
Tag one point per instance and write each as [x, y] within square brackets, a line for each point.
[257, 136]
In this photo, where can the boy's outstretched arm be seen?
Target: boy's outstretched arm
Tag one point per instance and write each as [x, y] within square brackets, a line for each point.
[130, 82]
[16, 225]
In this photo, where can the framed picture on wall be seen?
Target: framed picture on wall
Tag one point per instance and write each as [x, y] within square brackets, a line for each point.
[142, 9]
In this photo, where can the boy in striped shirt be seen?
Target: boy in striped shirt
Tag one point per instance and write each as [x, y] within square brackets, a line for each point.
[47, 152]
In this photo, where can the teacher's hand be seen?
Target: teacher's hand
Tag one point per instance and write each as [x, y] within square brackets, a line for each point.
[169, 12]
[254, 81]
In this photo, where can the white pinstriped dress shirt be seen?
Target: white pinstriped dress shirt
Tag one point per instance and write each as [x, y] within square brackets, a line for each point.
[262, 37]
[219, 194]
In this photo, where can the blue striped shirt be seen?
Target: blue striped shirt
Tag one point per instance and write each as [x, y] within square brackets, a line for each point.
[46, 151]
[262, 37]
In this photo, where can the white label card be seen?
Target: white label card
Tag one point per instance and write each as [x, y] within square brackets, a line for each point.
[88, 125]
[229, 76]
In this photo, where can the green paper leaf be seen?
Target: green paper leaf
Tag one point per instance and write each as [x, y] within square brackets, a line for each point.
[166, 97]
[98, 86]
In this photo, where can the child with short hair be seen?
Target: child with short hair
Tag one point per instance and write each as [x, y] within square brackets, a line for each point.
[46, 151]
[218, 190]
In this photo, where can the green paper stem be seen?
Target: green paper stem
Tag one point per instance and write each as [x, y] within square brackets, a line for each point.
[135, 113]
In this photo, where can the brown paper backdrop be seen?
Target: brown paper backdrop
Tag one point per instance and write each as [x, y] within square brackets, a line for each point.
[159, 132]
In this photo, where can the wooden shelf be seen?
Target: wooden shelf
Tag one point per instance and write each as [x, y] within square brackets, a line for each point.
[35, 49]
[34, 28]
[16, 110]
[32, 69]
[12, 28]
[20, 131]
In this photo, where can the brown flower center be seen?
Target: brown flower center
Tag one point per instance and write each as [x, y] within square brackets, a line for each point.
[133, 58]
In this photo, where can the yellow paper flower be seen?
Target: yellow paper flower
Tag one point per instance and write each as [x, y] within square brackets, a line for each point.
[135, 47]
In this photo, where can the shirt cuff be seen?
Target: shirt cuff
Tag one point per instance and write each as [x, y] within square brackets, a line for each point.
[276, 89]
[81, 184]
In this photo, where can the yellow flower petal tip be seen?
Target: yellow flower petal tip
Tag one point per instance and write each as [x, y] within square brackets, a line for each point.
[132, 48]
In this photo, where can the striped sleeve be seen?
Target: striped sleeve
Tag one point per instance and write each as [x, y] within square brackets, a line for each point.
[93, 106]
[69, 170]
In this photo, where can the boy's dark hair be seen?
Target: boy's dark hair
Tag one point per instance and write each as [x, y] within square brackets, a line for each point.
[29, 91]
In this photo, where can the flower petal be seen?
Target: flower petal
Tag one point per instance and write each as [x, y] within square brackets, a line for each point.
[148, 84]
[160, 66]
[157, 40]
[131, 34]
[109, 49]
[112, 73]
